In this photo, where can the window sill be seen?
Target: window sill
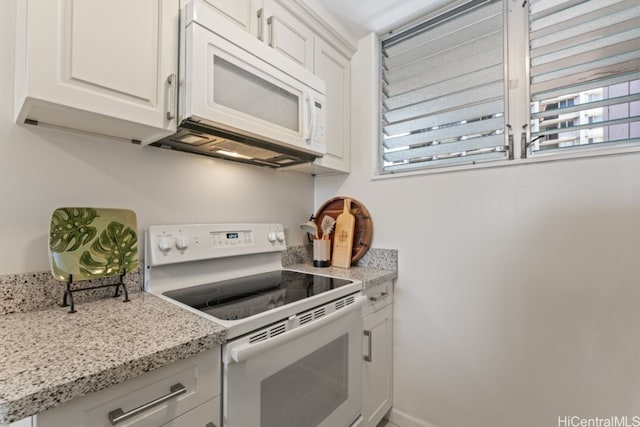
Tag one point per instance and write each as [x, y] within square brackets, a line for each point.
[588, 153]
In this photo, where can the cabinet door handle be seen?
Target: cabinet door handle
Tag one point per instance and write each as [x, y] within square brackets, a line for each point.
[368, 357]
[271, 25]
[172, 85]
[379, 297]
[260, 30]
[118, 415]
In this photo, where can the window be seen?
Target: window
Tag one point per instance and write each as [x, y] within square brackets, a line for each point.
[584, 63]
[446, 99]
[443, 90]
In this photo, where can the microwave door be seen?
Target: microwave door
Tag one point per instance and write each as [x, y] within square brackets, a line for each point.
[233, 89]
[248, 93]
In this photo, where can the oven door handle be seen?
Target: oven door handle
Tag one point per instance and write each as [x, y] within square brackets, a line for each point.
[246, 351]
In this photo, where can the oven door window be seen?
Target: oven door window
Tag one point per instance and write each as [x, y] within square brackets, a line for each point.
[307, 391]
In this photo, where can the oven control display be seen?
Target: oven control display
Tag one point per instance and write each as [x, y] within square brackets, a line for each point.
[232, 238]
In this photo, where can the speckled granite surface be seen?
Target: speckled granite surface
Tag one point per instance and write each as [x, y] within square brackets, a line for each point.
[375, 267]
[384, 259]
[369, 276]
[20, 293]
[49, 357]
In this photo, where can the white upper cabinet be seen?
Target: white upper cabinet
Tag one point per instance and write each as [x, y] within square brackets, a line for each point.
[243, 13]
[304, 34]
[288, 34]
[335, 70]
[106, 67]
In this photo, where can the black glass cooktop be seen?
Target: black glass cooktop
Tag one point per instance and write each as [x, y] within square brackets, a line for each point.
[245, 296]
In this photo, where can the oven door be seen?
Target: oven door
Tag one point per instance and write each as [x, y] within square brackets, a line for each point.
[297, 373]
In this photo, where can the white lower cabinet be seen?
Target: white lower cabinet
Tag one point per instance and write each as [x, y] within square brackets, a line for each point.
[205, 415]
[27, 422]
[377, 368]
[185, 393]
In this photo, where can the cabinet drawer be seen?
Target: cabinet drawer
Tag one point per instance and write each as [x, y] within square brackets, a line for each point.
[198, 375]
[205, 415]
[378, 297]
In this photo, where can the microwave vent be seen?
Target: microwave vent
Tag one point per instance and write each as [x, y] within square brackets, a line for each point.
[197, 137]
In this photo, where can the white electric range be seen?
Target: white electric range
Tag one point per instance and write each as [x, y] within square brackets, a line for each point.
[294, 339]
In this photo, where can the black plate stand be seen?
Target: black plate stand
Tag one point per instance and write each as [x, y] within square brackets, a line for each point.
[68, 293]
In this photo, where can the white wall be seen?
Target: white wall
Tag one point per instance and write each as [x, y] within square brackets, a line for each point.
[518, 290]
[42, 169]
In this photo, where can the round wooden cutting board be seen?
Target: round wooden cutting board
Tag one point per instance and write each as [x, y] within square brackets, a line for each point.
[363, 231]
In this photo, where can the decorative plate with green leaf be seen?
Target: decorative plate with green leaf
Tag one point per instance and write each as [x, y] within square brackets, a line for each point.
[90, 243]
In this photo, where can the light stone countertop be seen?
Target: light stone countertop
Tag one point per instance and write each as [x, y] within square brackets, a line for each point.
[49, 357]
[375, 267]
[368, 275]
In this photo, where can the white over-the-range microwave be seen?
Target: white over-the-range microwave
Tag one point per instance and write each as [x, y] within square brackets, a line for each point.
[241, 100]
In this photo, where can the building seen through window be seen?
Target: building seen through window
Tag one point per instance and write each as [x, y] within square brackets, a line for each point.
[573, 119]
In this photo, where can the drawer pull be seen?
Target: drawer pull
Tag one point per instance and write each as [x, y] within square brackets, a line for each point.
[118, 415]
[379, 297]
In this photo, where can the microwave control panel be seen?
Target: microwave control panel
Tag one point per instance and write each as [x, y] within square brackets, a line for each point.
[320, 124]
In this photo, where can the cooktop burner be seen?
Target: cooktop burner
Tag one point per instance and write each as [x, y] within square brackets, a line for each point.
[245, 296]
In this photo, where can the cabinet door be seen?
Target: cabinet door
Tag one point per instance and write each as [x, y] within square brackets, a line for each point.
[288, 34]
[335, 70]
[377, 387]
[100, 66]
[243, 13]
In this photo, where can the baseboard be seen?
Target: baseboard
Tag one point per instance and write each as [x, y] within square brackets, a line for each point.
[405, 420]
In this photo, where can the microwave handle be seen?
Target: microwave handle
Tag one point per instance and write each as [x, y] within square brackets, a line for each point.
[309, 118]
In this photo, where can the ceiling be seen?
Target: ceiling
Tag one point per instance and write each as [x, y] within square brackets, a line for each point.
[379, 16]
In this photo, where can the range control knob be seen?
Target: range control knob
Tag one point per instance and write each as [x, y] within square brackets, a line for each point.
[280, 236]
[272, 236]
[164, 244]
[182, 243]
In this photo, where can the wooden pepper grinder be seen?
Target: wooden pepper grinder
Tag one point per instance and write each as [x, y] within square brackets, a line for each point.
[343, 237]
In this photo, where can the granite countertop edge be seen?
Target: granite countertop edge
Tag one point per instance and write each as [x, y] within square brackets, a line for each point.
[16, 404]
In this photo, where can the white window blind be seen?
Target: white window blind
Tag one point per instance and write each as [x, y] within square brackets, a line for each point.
[585, 83]
[443, 90]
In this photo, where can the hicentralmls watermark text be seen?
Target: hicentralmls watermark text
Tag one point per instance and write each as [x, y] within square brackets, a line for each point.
[614, 421]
